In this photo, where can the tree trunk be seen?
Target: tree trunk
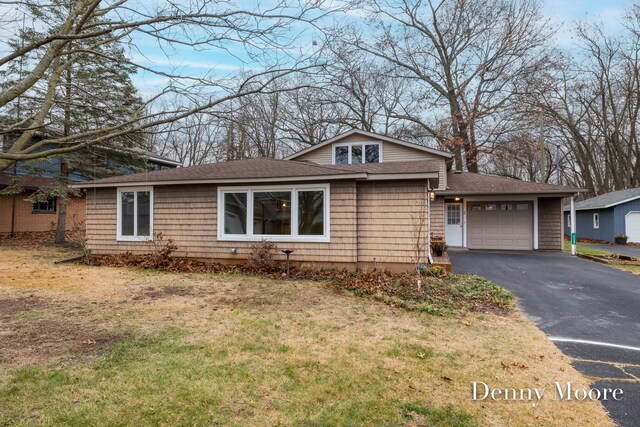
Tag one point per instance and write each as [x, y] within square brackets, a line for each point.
[62, 204]
[61, 226]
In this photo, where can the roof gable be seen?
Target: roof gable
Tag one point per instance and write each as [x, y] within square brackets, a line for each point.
[384, 138]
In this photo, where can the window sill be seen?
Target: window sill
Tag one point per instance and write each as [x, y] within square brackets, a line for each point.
[43, 213]
[134, 239]
[277, 239]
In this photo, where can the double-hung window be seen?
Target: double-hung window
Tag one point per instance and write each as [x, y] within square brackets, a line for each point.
[596, 220]
[356, 153]
[284, 214]
[135, 214]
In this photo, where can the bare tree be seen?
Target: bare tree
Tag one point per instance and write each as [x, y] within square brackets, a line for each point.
[201, 24]
[591, 104]
[467, 58]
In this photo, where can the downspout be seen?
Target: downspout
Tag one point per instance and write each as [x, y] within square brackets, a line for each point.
[429, 222]
[13, 204]
[13, 216]
[573, 225]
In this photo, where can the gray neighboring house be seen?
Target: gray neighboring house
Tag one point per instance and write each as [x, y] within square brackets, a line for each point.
[602, 217]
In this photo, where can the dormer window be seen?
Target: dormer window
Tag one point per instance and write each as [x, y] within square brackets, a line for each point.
[356, 153]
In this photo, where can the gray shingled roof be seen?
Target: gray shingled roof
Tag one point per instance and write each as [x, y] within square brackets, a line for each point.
[608, 200]
[467, 183]
[263, 169]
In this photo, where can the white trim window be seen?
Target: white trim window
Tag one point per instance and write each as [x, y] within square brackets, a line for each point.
[135, 214]
[569, 220]
[596, 220]
[357, 153]
[278, 213]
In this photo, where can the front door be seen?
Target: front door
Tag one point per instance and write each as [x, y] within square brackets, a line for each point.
[453, 224]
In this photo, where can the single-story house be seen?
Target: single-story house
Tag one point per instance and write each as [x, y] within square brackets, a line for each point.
[357, 200]
[605, 216]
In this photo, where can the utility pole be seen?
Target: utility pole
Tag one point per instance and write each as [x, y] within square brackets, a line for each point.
[543, 167]
[558, 175]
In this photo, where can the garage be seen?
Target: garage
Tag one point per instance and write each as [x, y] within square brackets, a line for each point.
[500, 225]
[632, 226]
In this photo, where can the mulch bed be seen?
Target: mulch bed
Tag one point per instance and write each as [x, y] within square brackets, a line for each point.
[441, 294]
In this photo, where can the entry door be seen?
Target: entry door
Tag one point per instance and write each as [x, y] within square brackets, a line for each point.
[453, 224]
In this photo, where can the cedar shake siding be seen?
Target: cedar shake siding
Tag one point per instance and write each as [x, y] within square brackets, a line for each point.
[28, 221]
[391, 153]
[437, 217]
[550, 223]
[187, 214]
[388, 218]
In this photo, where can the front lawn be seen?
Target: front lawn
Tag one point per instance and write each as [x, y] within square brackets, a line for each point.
[86, 345]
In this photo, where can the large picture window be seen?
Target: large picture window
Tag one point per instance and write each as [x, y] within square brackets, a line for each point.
[299, 213]
[135, 214]
[272, 213]
[356, 153]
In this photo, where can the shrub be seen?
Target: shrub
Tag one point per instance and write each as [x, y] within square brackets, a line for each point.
[161, 250]
[436, 271]
[261, 254]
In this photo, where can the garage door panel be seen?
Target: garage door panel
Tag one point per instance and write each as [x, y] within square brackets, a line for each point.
[509, 226]
[492, 242]
[507, 243]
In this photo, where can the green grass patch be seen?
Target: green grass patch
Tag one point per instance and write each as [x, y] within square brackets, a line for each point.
[252, 379]
[581, 249]
[438, 417]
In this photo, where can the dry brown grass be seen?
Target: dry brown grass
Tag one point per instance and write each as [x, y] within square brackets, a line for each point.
[69, 317]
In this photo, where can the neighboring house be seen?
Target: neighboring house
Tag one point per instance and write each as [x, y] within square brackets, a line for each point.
[356, 200]
[602, 217]
[19, 215]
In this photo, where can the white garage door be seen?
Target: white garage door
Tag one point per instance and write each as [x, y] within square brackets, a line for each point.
[632, 226]
[500, 225]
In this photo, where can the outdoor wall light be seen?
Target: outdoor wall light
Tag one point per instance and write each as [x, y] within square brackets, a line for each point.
[234, 251]
[432, 196]
[457, 199]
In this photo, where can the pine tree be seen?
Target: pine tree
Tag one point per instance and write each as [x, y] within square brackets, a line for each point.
[95, 91]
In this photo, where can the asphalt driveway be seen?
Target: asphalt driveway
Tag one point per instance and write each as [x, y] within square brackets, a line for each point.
[590, 310]
[633, 251]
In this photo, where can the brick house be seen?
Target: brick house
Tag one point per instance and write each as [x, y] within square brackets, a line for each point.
[18, 214]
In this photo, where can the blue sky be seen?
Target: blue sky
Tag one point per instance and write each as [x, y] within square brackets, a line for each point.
[563, 14]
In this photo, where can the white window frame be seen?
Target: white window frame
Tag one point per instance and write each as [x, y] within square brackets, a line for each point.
[596, 220]
[569, 220]
[350, 144]
[294, 236]
[135, 237]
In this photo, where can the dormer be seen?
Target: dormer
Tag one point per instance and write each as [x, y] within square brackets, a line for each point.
[358, 147]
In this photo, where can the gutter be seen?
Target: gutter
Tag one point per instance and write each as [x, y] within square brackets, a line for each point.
[510, 193]
[218, 181]
[362, 175]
